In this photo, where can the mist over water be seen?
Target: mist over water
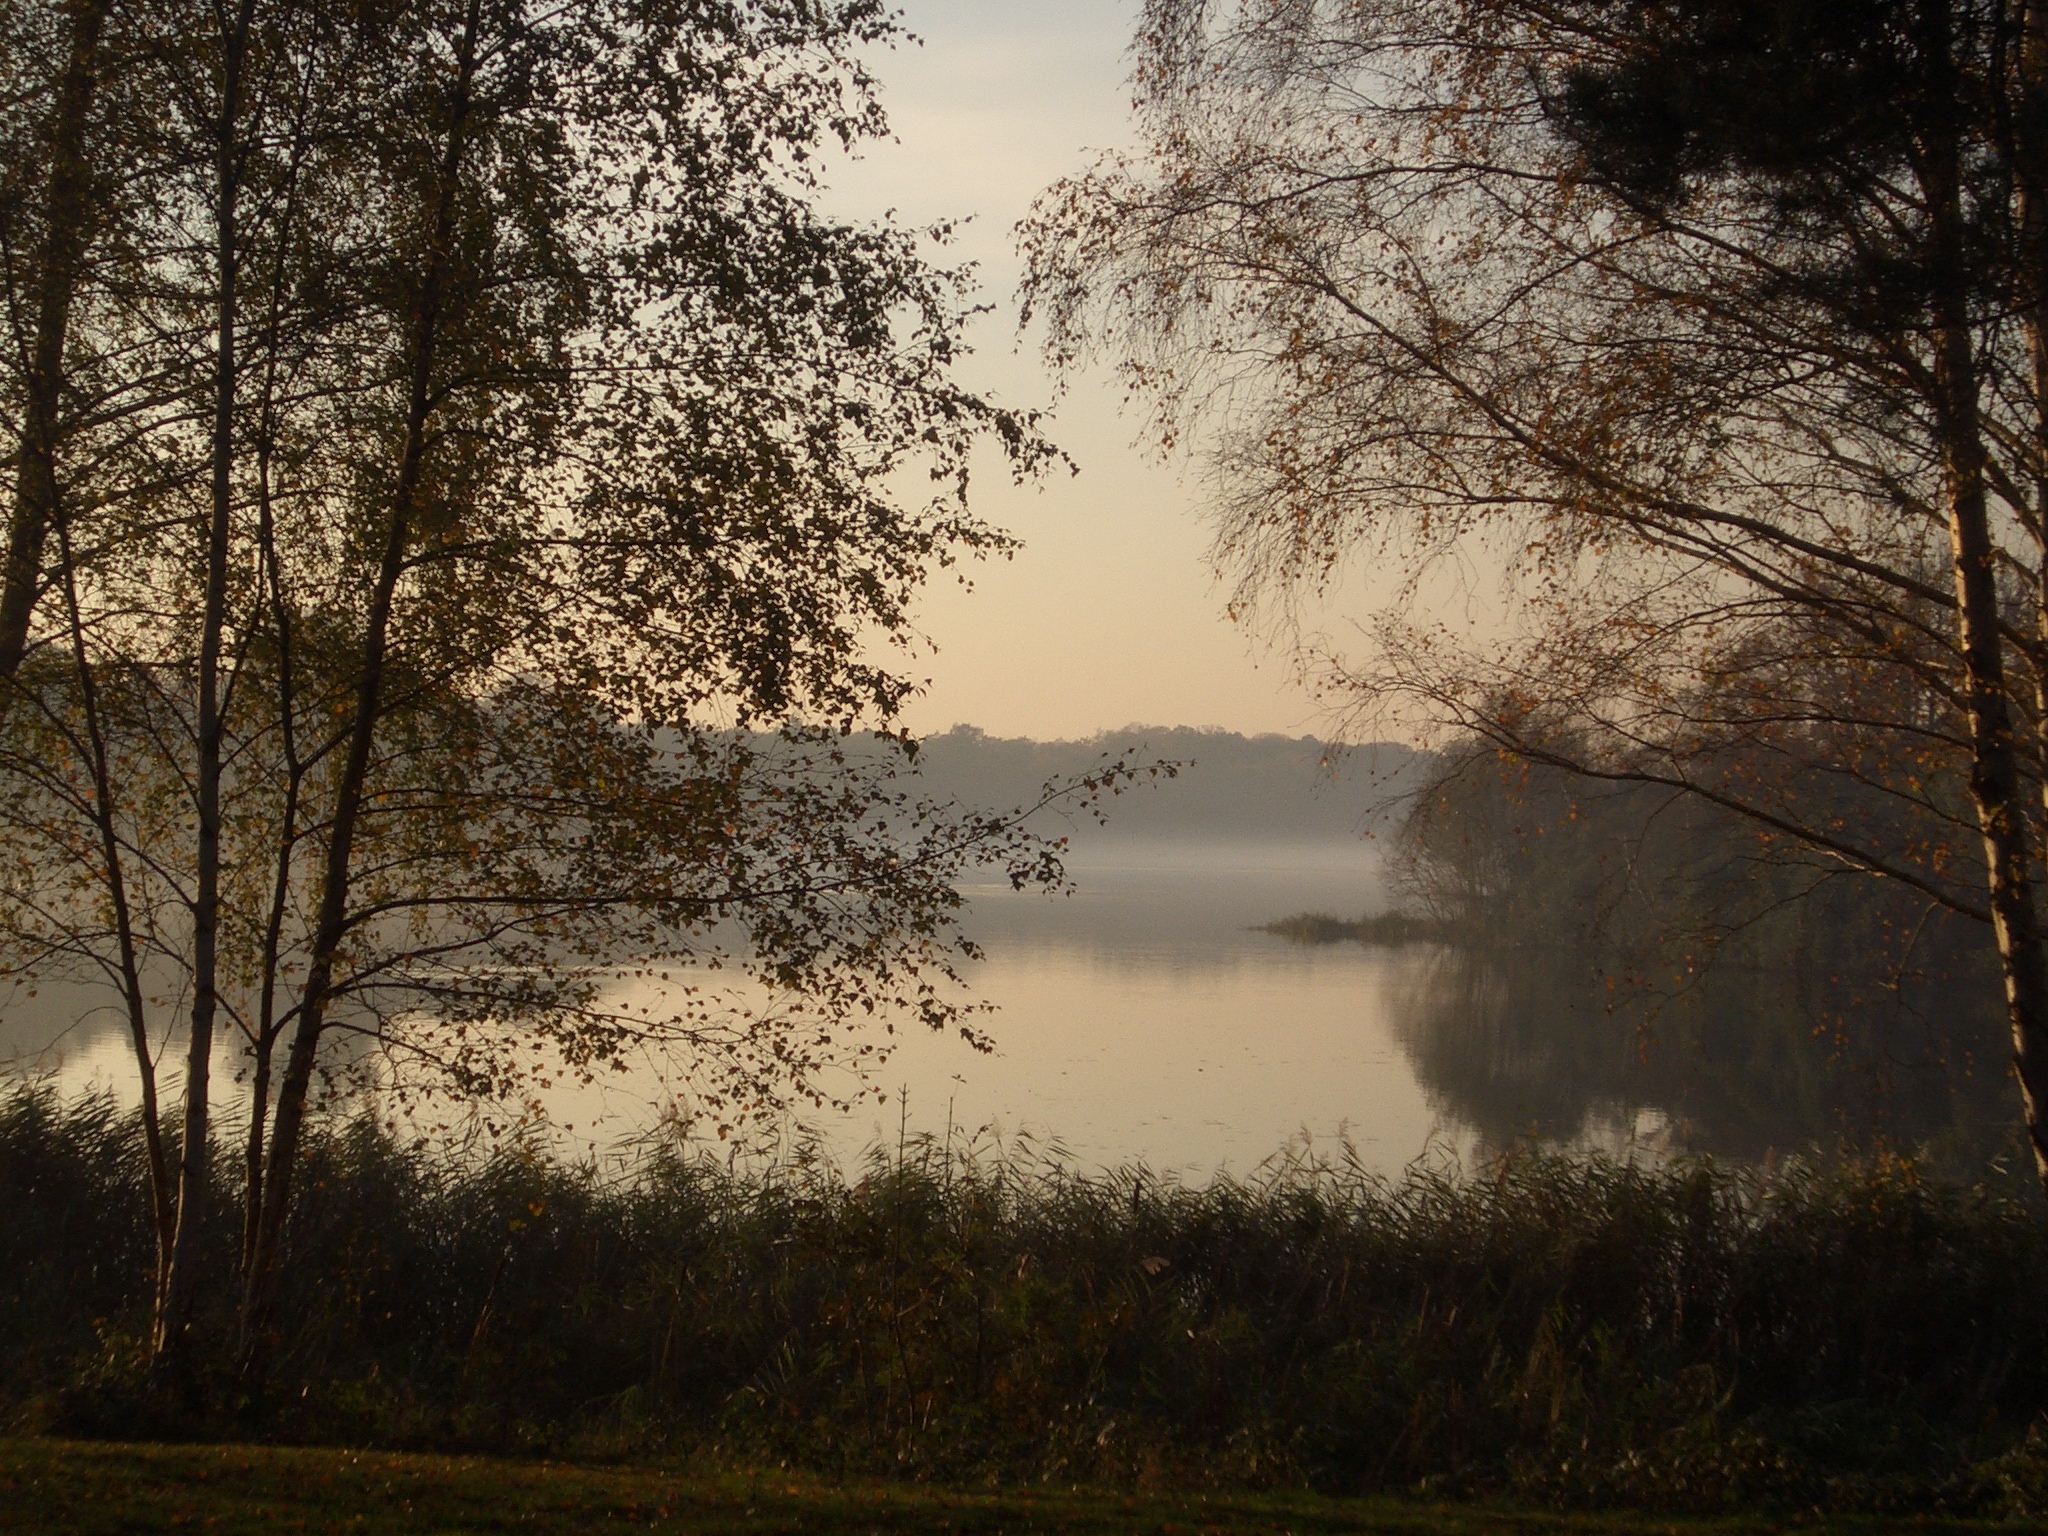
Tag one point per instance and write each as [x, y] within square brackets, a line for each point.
[1145, 1018]
[1140, 1018]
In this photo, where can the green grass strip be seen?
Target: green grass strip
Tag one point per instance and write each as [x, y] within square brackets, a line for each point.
[57, 1486]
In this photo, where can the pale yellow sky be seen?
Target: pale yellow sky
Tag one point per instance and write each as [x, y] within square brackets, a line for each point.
[1109, 615]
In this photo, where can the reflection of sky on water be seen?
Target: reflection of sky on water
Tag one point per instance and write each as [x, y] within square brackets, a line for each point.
[1140, 1018]
[1189, 1064]
[73, 1036]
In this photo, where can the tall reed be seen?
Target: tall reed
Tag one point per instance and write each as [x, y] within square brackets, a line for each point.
[1562, 1327]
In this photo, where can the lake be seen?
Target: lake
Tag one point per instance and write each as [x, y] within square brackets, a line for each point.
[1144, 1019]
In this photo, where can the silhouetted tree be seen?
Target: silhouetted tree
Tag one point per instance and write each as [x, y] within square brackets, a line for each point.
[1718, 321]
[516, 436]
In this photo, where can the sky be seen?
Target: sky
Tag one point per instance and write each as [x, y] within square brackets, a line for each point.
[1109, 616]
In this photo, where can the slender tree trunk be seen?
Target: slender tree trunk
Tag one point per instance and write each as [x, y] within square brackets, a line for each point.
[260, 1282]
[1996, 789]
[267, 1024]
[263, 1047]
[2030, 224]
[163, 1199]
[2030, 166]
[67, 218]
[174, 1317]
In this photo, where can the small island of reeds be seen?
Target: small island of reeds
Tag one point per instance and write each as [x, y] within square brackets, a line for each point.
[1388, 928]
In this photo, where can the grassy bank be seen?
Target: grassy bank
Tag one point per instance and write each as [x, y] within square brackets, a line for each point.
[65, 1488]
[1574, 1333]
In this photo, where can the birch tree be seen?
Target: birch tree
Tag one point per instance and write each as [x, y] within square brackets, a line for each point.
[519, 540]
[1715, 324]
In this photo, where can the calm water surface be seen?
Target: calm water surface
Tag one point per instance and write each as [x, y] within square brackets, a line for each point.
[1144, 1019]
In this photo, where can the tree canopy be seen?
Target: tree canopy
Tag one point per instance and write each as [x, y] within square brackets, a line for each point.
[1717, 324]
[460, 510]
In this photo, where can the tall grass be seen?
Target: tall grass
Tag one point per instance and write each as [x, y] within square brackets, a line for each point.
[1563, 1328]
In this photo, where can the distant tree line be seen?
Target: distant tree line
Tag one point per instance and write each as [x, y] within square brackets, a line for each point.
[1228, 786]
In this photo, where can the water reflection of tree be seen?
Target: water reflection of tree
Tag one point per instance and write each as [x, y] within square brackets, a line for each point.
[1533, 1044]
[1625, 954]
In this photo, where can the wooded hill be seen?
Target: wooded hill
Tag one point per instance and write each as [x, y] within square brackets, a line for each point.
[1228, 786]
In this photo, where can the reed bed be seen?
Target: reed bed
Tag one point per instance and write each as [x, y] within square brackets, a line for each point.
[1566, 1329]
[1390, 929]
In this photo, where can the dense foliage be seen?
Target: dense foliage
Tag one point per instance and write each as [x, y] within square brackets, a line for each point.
[439, 424]
[1581, 1330]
